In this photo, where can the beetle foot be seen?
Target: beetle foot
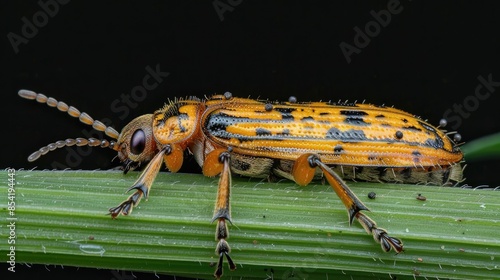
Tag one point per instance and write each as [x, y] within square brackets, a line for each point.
[380, 235]
[126, 207]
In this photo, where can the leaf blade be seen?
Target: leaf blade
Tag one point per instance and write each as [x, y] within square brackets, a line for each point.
[280, 226]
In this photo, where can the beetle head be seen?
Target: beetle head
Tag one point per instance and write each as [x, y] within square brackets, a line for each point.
[136, 142]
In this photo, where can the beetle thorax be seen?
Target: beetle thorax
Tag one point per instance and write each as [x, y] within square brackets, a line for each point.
[177, 123]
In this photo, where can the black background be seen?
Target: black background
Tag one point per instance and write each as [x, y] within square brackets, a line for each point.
[425, 60]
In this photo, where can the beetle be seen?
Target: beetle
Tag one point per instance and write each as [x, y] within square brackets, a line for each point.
[297, 141]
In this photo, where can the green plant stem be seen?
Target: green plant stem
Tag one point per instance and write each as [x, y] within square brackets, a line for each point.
[486, 147]
[279, 229]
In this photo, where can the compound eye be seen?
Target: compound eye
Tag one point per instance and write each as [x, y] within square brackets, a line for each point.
[138, 142]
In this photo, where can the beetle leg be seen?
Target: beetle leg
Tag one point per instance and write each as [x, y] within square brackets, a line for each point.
[379, 234]
[141, 186]
[303, 172]
[216, 162]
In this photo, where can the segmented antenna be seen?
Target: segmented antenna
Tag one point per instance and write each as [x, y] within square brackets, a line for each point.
[68, 143]
[74, 112]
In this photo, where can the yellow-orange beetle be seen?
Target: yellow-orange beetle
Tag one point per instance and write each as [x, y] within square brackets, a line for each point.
[298, 141]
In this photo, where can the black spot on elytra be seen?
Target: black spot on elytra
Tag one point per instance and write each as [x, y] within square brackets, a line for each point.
[337, 150]
[435, 143]
[412, 128]
[353, 113]
[286, 113]
[218, 123]
[380, 116]
[355, 121]
[427, 127]
[285, 132]
[324, 114]
[354, 117]
[348, 135]
[262, 132]
[306, 119]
